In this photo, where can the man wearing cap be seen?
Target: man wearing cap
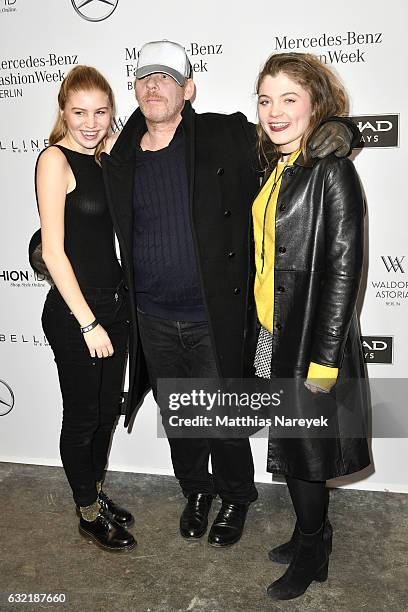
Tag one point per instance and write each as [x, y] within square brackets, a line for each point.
[180, 188]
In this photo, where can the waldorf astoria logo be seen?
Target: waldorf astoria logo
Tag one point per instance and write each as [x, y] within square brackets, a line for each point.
[393, 264]
[6, 398]
[95, 10]
[118, 122]
[377, 349]
[391, 288]
[378, 130]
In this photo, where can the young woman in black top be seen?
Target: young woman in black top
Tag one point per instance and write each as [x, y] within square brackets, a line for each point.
[85, 316]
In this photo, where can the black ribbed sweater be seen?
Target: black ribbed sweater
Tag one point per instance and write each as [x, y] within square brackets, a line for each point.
[166, 275]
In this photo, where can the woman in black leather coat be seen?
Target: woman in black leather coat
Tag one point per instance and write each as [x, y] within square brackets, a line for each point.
[309, 232]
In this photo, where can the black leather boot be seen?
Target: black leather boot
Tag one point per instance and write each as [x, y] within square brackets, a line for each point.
[107, 534]
[284, 553]
[228, 525]
[120, 515]
[309, 563]
[194, 518]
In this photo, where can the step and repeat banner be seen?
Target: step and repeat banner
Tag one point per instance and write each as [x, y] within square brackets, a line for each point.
[227, 42]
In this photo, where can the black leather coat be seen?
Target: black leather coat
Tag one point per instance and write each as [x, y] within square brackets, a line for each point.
[319, 242]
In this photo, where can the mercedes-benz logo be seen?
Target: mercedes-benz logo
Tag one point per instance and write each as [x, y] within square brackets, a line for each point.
[95, 10]
[6, 398]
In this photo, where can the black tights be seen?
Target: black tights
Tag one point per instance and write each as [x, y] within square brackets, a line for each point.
[310, 500]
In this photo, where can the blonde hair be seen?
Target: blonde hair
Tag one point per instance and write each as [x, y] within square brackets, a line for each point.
[328, 96]
[80, 78]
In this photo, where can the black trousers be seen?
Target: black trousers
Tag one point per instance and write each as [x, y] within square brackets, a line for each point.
[90, 387]
[180, 349]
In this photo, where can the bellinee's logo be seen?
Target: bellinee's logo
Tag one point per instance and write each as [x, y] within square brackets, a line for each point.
[6, 398]
[95, 10]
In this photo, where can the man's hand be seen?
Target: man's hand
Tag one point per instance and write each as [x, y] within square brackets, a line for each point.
[38, 263]
[331, 137]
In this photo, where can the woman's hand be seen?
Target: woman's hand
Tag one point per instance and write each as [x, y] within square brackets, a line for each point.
[315, 388]
[320, 378]
[98, 342]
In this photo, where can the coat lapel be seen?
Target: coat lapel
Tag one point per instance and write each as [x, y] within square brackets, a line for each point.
[188, 115]
[119, 169]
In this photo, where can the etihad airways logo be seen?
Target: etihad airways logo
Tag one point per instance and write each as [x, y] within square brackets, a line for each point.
[95, 10]
[378, 130]
[377, 349]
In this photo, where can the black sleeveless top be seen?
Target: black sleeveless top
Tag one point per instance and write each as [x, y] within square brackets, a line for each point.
[89, 238]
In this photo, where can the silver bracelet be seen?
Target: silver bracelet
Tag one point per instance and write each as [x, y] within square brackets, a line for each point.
[88, 328]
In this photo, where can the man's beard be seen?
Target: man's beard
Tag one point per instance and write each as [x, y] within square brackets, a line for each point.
[163, 114]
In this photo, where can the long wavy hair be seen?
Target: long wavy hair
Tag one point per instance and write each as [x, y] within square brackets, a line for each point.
[80, 78]
[327, 94]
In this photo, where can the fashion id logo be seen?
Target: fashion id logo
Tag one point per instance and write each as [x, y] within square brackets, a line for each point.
[377, 349]
[8, 6]
[378, 130]
[95, 10]
[6, 398]
[22, 278]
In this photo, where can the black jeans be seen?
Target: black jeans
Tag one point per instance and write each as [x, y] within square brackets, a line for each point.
[90, 387]
[182, 349]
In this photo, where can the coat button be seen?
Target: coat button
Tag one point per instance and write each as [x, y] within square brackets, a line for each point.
[279, 326]
[231, 254]
[227, 213]
[282, 207]
[126, 288]
[281, 289]
[237, 291]
[220, 171]
[282, 249]
[290, 171]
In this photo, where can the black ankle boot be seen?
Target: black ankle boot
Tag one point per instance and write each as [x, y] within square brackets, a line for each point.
[120, 515]
[194, 518]
[285, 552]
[107, 534]
[309, 563]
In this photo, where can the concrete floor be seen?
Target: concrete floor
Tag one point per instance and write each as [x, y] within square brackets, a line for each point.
[42, 552]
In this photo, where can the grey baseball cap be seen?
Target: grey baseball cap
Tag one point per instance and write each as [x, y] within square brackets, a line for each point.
[166, 57]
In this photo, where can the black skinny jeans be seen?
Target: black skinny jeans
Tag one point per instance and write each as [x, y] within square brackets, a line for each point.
[182, 349]
[90, 387]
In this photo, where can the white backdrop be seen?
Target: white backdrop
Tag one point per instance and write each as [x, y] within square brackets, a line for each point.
[227, 43]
